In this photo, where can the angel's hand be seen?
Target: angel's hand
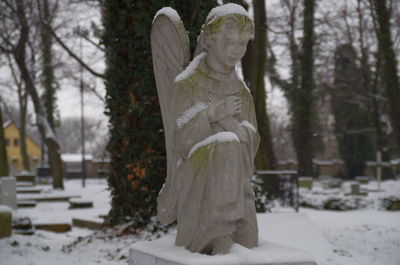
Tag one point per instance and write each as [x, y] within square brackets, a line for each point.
[232, 125]
[233, 105]
[229, 107]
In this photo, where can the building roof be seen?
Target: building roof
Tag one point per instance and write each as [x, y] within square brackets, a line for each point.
[75, 158]
[9, 122]
[5, 124]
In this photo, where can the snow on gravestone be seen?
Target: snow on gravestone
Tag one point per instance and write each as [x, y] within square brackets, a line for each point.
[8, 192]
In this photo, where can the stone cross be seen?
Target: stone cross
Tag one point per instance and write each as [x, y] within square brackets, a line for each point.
[8, 192]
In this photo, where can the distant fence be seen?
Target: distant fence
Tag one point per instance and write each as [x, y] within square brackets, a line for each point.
[281, 185]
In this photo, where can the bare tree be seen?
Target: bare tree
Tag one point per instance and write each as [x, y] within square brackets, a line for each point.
[15, 37]
[3, 150]
[382, 14]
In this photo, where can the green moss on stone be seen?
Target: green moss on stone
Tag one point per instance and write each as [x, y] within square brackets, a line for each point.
[5, 224]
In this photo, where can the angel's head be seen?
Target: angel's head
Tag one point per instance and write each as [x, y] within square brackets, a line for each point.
[226, 33]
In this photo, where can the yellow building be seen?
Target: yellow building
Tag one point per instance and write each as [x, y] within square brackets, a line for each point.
[13, 142]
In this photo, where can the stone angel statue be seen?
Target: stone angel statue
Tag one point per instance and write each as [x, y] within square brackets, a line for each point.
[210, 130]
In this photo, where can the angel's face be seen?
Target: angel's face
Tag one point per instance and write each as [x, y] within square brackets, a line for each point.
[230, 43]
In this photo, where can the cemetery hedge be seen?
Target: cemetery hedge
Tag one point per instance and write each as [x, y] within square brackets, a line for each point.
[347, 203]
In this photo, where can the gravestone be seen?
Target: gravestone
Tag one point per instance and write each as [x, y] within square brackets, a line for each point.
[363, 179]
[25, 176]
[306, 182]
[22, 225]
[8, 192]
[355, 190]
[331, 183]
[5, 221]
[43, 174]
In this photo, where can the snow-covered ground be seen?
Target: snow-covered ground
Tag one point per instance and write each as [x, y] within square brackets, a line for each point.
[362, 237]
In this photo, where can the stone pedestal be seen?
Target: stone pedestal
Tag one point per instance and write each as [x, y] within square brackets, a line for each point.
[164, 252]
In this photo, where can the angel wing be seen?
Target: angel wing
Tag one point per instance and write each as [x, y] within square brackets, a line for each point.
[171, 55]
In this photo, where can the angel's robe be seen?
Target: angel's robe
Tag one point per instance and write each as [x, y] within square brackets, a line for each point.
[210, 193]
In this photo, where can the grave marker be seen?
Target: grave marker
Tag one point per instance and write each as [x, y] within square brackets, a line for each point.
[306, 182]
[355, 190]
[22, 225]
[25, 176]
[8, 193]
[363, 179]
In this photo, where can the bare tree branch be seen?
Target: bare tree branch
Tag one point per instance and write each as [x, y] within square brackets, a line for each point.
[72, 54]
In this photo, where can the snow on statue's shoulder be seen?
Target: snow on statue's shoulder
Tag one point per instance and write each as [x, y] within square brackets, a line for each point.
[191, 68]
[227, 9]
[169, 12]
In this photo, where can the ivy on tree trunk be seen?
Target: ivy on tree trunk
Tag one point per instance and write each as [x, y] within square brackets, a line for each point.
[303, 97]
[136, 145]
[389, 68]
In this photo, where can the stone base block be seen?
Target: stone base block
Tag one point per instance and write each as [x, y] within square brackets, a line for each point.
[5, 221]
[164, 252]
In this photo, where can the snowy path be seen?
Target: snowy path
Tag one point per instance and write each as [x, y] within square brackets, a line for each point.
[360, 237]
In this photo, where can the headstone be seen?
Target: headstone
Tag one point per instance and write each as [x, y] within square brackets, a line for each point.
[25, 176]
[79, 203]
[5, 221]
[43, 171]
[306, 182]
[363, 179]
[22, 225]
[355, 190]
[164, 252]
[8, 193]
[331, 183]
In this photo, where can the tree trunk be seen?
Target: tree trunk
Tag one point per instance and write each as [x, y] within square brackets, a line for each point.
[44, 127]
[390, 78]
[23, 102]
[137, 146]
[48, 81]
[265, 158]
[3, 150]
[303, 97]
